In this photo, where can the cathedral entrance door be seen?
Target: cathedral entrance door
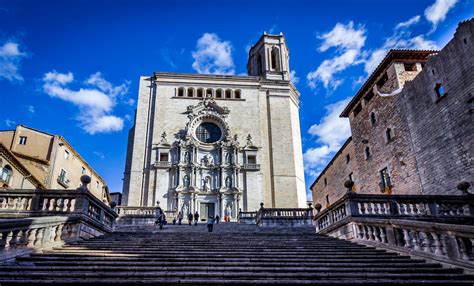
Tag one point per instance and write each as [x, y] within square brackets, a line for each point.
[207, 209]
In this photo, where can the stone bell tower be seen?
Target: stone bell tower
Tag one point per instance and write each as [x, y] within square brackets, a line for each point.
[269, 58]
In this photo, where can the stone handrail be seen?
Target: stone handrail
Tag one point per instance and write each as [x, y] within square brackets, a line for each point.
[440, 208]
[25, 235]
[33, 203]
[136, 215]
[434, 227]
[284, 216]
[247, 217]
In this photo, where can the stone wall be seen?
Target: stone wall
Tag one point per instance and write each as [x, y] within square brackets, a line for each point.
[442, 128]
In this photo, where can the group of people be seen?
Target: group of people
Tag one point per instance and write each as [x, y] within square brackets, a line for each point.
[191, 219]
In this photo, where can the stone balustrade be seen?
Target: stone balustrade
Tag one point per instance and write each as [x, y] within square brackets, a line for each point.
[35, 203]
[434, 227]
[129, 215]
[284, 216]
[247, 217]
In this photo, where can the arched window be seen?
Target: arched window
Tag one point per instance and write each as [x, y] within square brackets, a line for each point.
[219, 93]
[439, 89]
[372, 118]
[190, 92]
[209, 92]
[367, 152]
[200, 92]
[388, 135]
[237, 94]
[181, 91]
[228, 93]
[274, 59]
[6, 174]
[259, 65]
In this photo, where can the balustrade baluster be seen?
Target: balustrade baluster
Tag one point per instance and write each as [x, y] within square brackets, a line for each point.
[406, 238]
[424, 242]
[370, 233]
[437, 244]
[416, 241]
[383, 235]
[376, 233]
[39, 237]
[462, 248]
[31, 237]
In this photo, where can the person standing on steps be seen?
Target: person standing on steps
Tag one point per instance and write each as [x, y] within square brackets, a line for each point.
[180, 217]
[190, 218]
[161, 220]
[210, 223]
[217, 219]
[196, 218]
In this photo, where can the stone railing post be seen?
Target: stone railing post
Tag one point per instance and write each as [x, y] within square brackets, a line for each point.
[35, 202]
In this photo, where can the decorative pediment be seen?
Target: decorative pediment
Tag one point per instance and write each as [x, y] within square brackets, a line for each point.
[207, 105]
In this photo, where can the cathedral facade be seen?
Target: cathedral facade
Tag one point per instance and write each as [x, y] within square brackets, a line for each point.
[218, 144]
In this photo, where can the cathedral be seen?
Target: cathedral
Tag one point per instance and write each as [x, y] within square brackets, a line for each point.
[218, 144]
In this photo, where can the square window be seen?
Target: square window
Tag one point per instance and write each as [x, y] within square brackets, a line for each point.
[22, 140]
[251, 159]
[164, 157]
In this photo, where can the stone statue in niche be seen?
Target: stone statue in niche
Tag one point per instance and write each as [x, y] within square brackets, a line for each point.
[186, 181]
[228, 158]
[228, 210]
[186, 157]
[206, 183]
[228, 182]
[185, 208]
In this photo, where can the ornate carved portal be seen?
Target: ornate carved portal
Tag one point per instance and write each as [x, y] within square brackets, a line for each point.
[206, 174]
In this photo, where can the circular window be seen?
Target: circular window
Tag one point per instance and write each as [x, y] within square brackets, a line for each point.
[208, 132]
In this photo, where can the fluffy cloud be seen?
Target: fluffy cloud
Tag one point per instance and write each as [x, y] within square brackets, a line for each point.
[330, 133]
[31, 109]
[213, 56]
[96, 101]
[437, 12]
[401, 38]
[348, 42]
[293, 78]
[10, 61]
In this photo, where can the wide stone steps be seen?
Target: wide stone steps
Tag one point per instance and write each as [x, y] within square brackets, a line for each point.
[234, 254]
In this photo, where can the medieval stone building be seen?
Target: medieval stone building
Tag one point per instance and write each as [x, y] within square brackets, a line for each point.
[412, 125]
[218, 144]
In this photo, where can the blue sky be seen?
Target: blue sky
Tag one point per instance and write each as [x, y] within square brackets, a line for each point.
[72, 67]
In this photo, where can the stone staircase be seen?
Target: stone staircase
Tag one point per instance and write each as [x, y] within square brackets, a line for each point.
[232, 254]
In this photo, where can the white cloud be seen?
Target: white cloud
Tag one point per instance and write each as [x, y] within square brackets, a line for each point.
[213, 56]
[348, 41]
[99, 154]
[437, 12]
[331, 132]
[293, 78]
[95, 103]
[9, 123]
[401, 38]
[31, 109]
[408, 23]
[10, 61]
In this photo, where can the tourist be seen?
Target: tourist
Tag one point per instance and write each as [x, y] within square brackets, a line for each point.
[161, 220]
[196, 218]
[180, 217]
[210, 223]
[217, 219]
[190, 218]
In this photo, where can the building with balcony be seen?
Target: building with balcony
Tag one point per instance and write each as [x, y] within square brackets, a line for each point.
[51, 160]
